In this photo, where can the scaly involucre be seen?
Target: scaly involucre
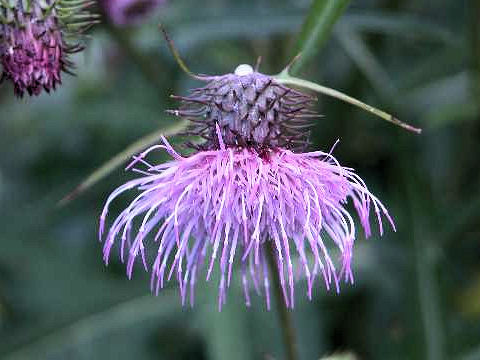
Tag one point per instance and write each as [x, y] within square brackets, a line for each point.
[252, 110]
[234, 205]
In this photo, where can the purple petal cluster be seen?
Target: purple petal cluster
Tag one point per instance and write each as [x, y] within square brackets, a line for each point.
[231, 206]
[129, 12]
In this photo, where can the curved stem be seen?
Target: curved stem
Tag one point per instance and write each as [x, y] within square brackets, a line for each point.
[107, 167]
[286, 79]
[284, 315]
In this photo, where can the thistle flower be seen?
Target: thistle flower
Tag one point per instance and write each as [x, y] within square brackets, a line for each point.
[34, 49]
[129, 12]
[240, 199]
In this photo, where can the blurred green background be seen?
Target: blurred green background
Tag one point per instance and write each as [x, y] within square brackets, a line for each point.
[417, 291]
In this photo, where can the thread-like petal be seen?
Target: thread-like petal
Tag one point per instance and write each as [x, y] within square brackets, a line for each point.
[219, 207]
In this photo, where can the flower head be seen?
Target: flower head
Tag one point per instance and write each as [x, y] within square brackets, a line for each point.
[33, 46]
[129, 12]
[243, 196]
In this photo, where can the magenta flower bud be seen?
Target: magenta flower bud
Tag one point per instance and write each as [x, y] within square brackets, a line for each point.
[33, 47]
[129, 12]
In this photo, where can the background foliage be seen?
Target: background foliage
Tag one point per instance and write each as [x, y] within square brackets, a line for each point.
[417, 292]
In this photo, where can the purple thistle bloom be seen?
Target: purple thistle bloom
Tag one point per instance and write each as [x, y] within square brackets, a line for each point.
[33, 49]
[218, 207]
[243, 196]
[129, 12]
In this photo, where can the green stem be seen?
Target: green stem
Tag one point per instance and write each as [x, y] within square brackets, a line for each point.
[425, 248]
[286, 322]
[476, 46]
[122, 157]
[286, 79]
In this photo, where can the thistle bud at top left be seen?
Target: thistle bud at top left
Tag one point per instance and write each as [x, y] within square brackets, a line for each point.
[36, 39]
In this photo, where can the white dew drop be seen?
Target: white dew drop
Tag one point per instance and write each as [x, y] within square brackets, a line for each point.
[243, 69]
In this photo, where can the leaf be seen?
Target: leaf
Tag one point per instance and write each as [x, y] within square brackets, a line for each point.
[468, 299]
[84, 331]
[400, 25]
[228, 331]
[317, 27]
[120, 158]
[251, 24]
[214, 28]
[366, 61]
[343, 356]
[472, 355]
[452, 114]
[425, 264]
